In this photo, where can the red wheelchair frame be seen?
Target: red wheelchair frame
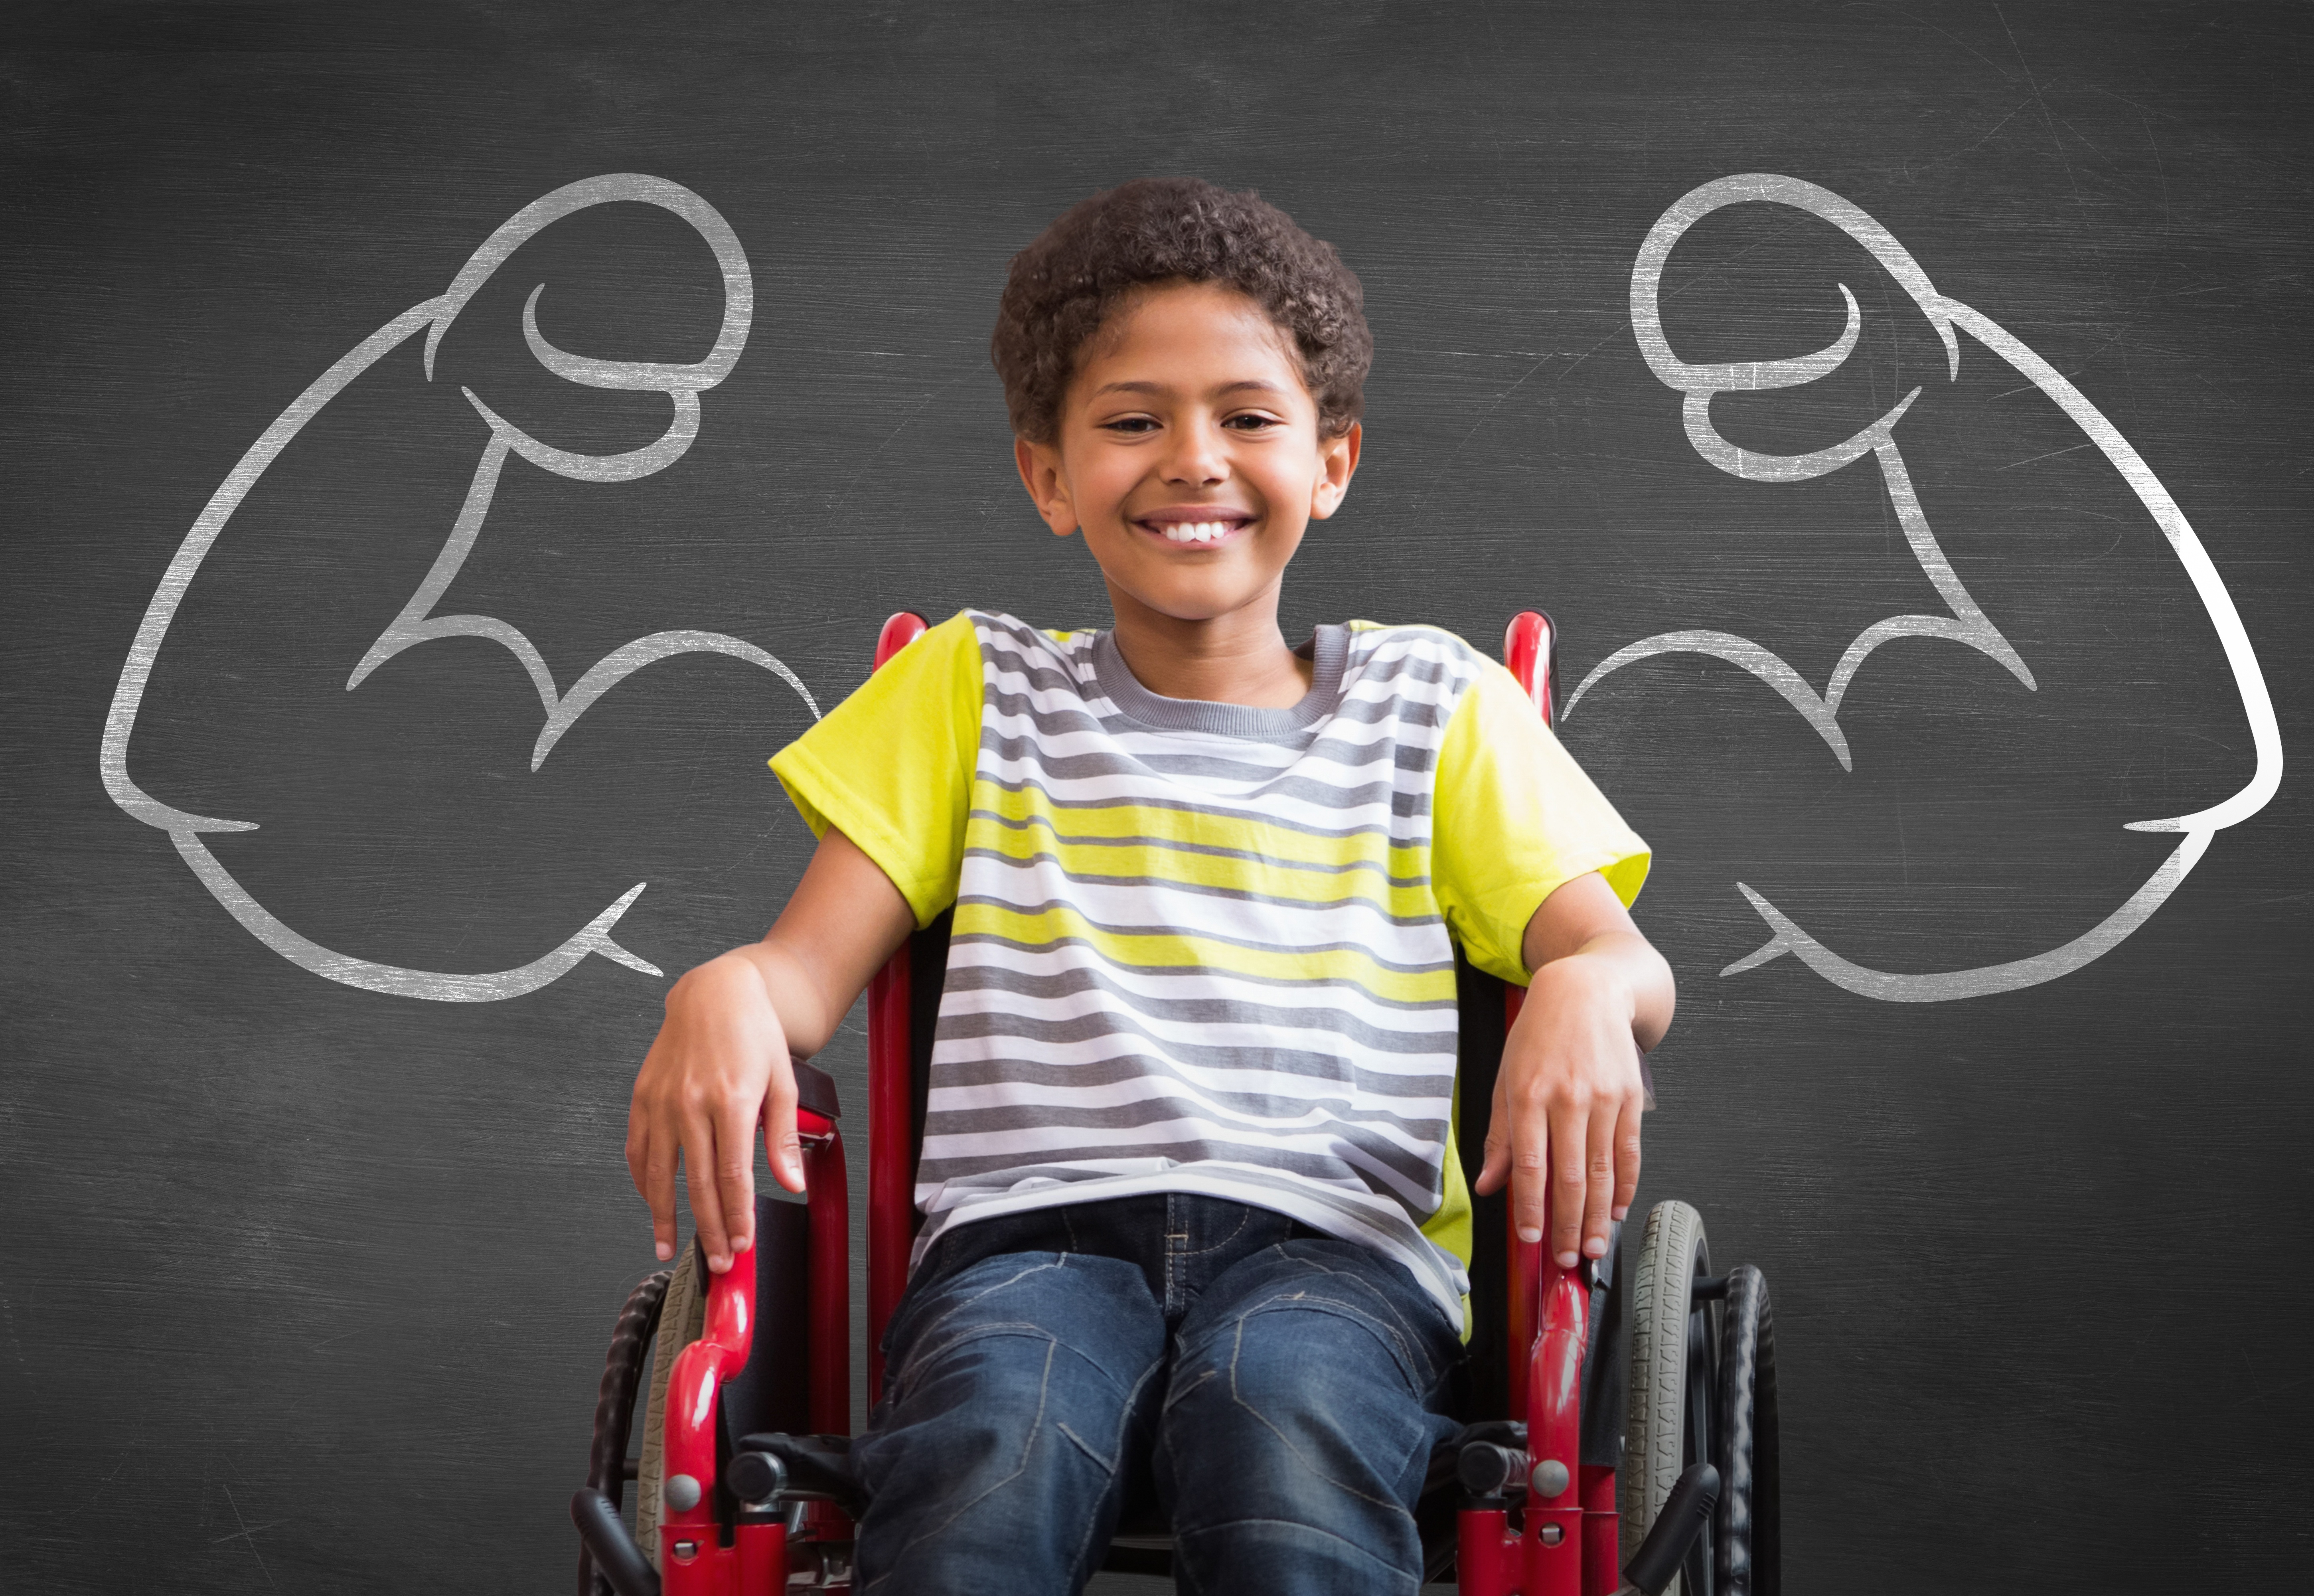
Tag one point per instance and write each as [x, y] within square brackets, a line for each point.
[1536, 1520]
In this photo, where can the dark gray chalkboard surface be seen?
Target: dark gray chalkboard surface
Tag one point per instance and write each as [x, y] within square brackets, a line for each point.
[305, 1272]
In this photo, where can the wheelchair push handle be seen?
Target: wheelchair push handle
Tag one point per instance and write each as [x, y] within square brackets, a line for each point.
[1685, 1512]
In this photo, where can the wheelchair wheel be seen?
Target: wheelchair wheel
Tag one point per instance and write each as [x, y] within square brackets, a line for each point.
[615, 1406]
[681, 1321]
[1674, 1362]
[1746, 1444]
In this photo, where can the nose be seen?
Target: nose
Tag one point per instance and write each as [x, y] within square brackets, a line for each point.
[1197, 458]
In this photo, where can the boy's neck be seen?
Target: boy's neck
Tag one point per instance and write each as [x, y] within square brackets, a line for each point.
[1237, 658]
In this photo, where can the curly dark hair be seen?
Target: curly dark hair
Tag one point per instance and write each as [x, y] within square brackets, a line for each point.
[1165, 229]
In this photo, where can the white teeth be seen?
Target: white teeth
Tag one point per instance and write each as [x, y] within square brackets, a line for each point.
[1197, 531]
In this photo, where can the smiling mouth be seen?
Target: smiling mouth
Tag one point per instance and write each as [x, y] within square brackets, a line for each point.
[1197, 533]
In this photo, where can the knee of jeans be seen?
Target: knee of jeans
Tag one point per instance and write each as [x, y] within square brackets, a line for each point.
[1318, 1367]
[1319, 1335]
[977, 1383]
[974, 1400]
[1294, 1404]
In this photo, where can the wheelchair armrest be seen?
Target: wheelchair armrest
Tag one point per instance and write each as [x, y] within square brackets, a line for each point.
[815, 1090]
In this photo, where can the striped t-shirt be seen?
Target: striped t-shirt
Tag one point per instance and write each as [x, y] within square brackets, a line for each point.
[1206, 947]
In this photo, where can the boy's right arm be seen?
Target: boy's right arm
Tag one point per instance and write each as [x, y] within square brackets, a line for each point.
[719, 1065]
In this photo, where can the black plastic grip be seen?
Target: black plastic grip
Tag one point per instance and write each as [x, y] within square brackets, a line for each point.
[813, 1466]
[1489, 1470]
[755, 1476]
[1684, 1513]
[616, 1556]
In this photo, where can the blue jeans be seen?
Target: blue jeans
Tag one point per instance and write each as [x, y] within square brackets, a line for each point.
[1278, 1391]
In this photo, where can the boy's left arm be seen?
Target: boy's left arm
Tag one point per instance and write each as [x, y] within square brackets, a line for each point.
[1565, 1130]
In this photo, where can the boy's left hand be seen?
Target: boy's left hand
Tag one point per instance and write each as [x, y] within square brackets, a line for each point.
[1568, 1098]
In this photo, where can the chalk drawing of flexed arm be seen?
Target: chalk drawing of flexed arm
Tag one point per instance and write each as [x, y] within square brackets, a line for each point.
[416, 624]
[1964, 623]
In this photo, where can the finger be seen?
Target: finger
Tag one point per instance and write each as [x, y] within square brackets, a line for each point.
[638, 1152]
[1626, 1155]
[650, 1164]
[1598, 1178]
[782, 1146]
[699, 1166]
[735, 1171]
[1497, 1166]
[1529, 1169]
[1569, 1146]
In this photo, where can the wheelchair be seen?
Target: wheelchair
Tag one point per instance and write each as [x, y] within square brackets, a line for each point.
[1621, 1419]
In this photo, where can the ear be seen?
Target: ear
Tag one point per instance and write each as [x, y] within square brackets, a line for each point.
[1337, 460]
[1041, 475]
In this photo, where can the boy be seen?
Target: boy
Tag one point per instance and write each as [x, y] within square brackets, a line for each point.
[1193, 1216]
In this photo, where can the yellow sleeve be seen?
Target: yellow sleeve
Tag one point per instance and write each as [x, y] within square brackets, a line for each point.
[891, 766]
[1512, 819]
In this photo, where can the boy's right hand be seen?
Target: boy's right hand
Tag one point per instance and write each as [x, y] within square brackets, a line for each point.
[718, 1069]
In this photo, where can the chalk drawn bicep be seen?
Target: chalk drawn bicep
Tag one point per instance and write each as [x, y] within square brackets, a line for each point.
[678, 386]
[1964, 620]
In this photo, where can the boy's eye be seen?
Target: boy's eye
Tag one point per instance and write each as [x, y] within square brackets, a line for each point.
[1135, 426]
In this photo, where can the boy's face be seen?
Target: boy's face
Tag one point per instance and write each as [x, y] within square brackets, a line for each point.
[1188, 453]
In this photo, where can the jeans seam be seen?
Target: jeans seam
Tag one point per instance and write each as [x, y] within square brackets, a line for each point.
[1237, 1350]
[897, 1369]
[1245, 1212]
[1172, 1284]
[1115, 1465]
[1036, 1425]
[1412, 1371]
[1180, 1296]
[1401, 1333]
[994, 1285]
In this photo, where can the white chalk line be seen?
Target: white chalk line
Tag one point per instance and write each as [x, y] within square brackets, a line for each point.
[416, 622]
[1966, 622]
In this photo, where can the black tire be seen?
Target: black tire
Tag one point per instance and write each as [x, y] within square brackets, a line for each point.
[681, 1321]
[1748, 1523]
[615, 1406]
[1675, 1361]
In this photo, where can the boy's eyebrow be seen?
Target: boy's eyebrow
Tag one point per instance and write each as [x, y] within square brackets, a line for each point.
[1146, 387]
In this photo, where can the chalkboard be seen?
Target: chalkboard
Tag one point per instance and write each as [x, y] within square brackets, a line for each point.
[451, 447]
